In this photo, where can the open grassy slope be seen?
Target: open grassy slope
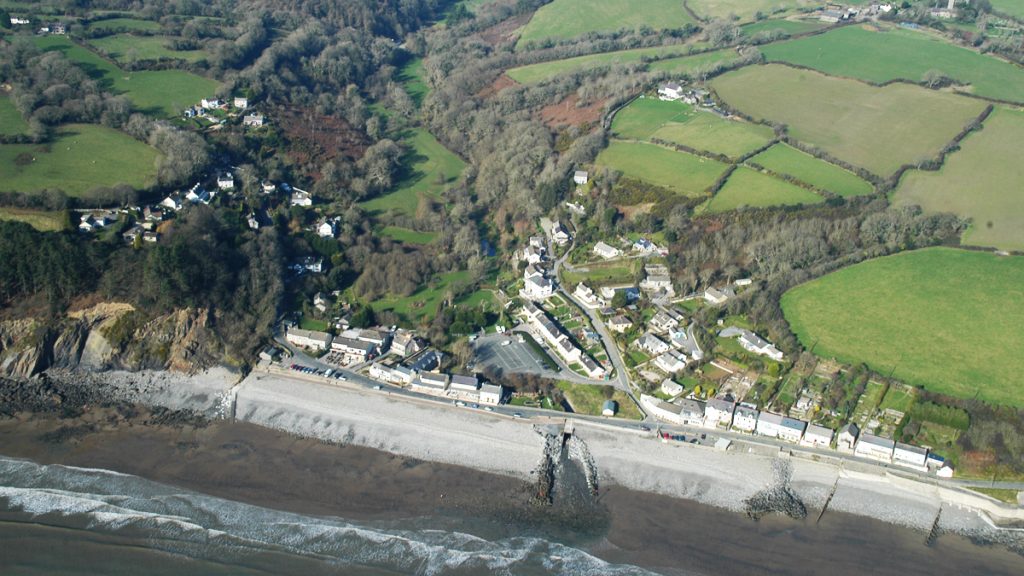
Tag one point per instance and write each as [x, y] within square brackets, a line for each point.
[983, 181]
[541, 71]
[787, 160]
[126, 48]
[11, 122]
[160, 92]
[678, 171]
[562, 19]
[702, 130]
[747, 187]
[427, 160]
[78, 158]
[878, 129]
[744, 10]
[880, 56]
[945, 319]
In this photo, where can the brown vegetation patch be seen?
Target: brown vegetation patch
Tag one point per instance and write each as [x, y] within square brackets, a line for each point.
[498, 85]
[506, 30]
[568, 113]
[631, 212]
[314, 138]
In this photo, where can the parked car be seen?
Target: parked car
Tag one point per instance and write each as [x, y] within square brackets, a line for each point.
[376, 387]
[488, 408]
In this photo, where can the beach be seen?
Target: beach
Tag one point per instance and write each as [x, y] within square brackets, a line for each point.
[329, 451]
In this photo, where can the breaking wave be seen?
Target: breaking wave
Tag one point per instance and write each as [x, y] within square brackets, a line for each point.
[187, 523]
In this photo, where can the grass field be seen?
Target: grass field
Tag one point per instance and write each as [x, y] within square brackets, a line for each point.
[11, 122]
[709, 132]
[878, 129]
[38, 219]
[563, 19]
[131, 24]
[747, 187]
[425, 300]
[899, 397]
[599, 274]
[1011, 7]
[411, 76]
[589, 399]
[128, 48]
[425, 163]
[893, 54]
[159, 92]
[745, 10]
[787, 160]
[533, 73]
[942, 318]
[692, 65]
[981, 181]
[644, 116]
[80, 157]
[791, 27]
[678, 171]
[408, 236]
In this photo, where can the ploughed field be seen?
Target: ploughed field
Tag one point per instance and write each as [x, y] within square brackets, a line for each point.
[942, 318]
[878, 129]
[983, 181]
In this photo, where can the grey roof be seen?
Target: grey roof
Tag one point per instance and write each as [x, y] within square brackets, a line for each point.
[366, 347]
[721, 405]
[877, 441]
[491, 389]
[609, 405]
[851, 428]
[459, 379]
[690, 407]
[433, 379]
[746, 411]
[911, 449]
[794, 424]
[770, 418]
[819, 430]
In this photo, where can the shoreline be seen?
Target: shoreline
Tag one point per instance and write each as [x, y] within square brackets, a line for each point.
[493, 447]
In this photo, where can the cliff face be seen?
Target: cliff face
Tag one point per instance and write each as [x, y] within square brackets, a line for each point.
[109, 336]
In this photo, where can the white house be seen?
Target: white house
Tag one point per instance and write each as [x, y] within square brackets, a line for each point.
[718, 296]
[671, 361]
[580, 177]
[670, 91]
[645, 246]
[559, 233]
[619, 323]
[532, 254]
[430, 382]
[172, 202]
[847, 438]
[607, 252]
[874, 447]
[718, 412]
[652, 344]
[353, 351]
[253, 120]
[663, 321]
[491, 394]
[537, 242]
[268, 187]
[326, 229]
[301, 198]
[199, 195]
[538, 288]
[684, 341]
[817, 436]
[211, 103]
[670, 388]
[405, 343]
[609, 408]
[591, 367]
[910, 456]
[778, 426]
[752, 342]
[225, 181]
[309, 338]
[321, 302]
[241, 103]
[681, 412]
[312, 264]
[586, 295]
[19, 21]
[745, 418]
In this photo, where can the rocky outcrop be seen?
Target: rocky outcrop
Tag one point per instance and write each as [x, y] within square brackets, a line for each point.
[109, 336]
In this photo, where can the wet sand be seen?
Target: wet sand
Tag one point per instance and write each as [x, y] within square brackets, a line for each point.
[255, 465]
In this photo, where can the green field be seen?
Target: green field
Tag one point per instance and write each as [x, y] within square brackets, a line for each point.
[411, 76]
[11, 122]
[38, 219]
[745, 10]
[533, 73]
[642, 118]
[709, 132]
[684, 173]
[856, 52]
[589, 399]
[747, 187]
[124, 24]
[80, 157]
[787, 160]
[879, 129]
[1011, 7]
[693, 65]
[424, 301]
[981, 181]
[946, 319]
[599, 274]
[160, 92]
[564, 19]
[427, 160]
[407, 236]
[128, 48]
[791, 27]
